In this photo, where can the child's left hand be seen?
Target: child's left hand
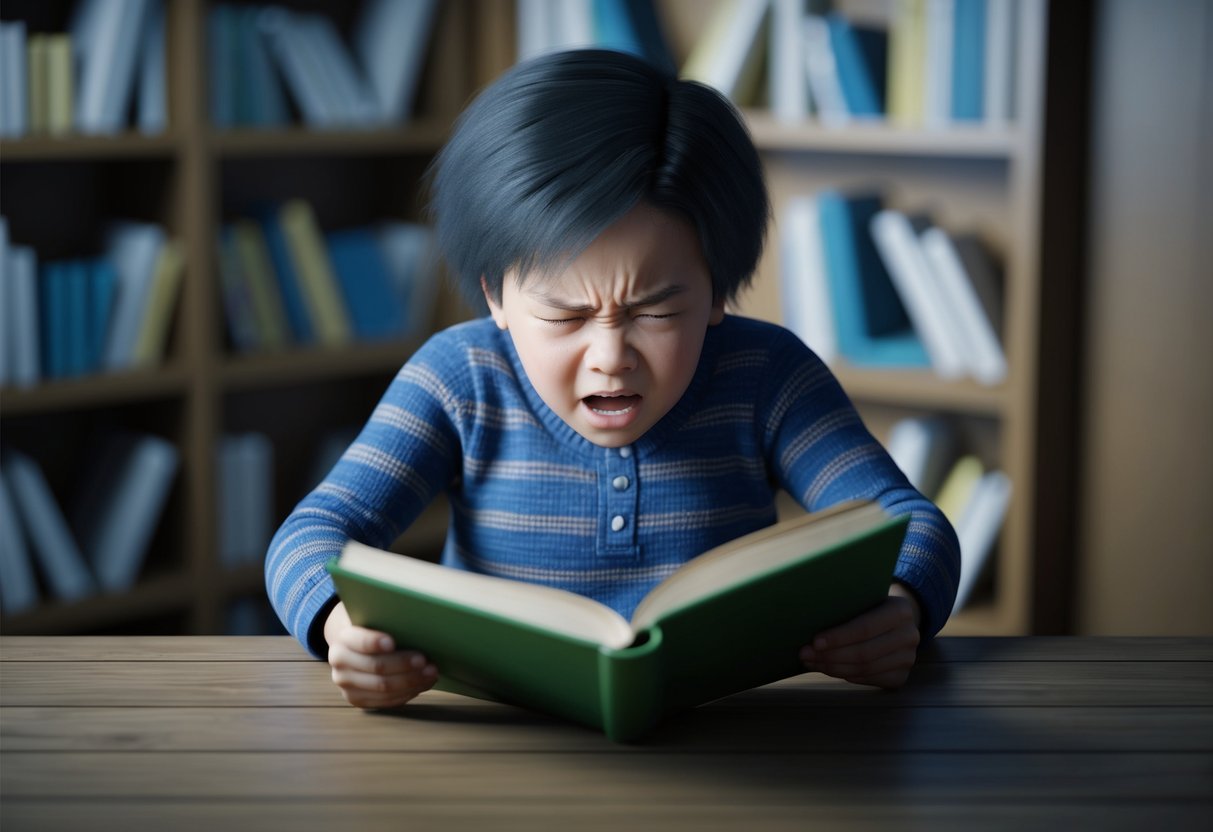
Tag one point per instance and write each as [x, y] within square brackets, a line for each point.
[876, 648]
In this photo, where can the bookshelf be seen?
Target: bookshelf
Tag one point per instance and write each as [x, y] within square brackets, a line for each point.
[192, 178]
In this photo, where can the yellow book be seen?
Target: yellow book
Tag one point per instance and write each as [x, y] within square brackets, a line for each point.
[166, 286]
[35, 50]
[958, 486]
[273, 331]
[60, 87]
[325, 306]
[907, 62]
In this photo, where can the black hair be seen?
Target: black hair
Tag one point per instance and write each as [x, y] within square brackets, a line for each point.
[561, 146]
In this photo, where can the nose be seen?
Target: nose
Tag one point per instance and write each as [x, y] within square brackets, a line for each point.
[609, 350]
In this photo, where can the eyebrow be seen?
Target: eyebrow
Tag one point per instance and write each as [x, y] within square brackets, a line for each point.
[652, 299]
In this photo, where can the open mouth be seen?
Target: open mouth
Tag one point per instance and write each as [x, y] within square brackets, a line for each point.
[612, 405]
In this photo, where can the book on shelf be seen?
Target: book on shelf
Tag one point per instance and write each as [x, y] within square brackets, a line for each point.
[730, 54]
[412, 258]
[978, 529]
[134, 248]
[632, 26]
[288, 282]
[788, 78]
[916, 282]
[391, 40]
[151, 342]
[14, 85]
[18, 586]
[38, 96]
[107, 34]
[968, 60]
[245, 486]
[24, 321]
[60, 84]
[312, 267]
[7, 317]
[861, 61]
[923, 448]
[377, 309]
[998, 93]
[970, 312]
[152, 94]
[255, 271]
[821, 72]
[872, 326]
[121, 497]
[958, 485]
[940, 40]
[803, 284]
[58, 554]
[729, 620]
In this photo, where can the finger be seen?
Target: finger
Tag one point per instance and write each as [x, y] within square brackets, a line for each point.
[381, 664]
[894, 641]
[891, 663]
[414, 679]
[892, 613]
[366, 641]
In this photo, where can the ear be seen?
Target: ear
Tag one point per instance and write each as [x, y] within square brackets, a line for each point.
[717, 313]
[494, 307]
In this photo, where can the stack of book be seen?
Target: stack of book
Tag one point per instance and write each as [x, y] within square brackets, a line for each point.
[874, 287]
[100, 543]
[286, 282]
[84, 80]
[631, 26]
[71, 318]
[264, 59]
[973, 498]
[930, 62]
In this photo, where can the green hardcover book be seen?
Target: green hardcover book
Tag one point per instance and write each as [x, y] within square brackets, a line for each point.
[731, 619]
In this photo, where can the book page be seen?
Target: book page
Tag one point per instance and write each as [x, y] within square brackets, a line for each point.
[756, 554]
[539, 606]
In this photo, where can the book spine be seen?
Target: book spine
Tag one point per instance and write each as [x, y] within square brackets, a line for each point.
[631, 686]
[321, 297]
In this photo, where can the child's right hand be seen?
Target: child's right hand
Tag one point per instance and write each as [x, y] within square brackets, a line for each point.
[369, 669]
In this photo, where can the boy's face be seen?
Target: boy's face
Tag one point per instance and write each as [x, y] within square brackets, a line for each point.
[612, 342]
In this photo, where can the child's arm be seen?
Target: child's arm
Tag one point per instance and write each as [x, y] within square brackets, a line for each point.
[876, 648]
[369, 669]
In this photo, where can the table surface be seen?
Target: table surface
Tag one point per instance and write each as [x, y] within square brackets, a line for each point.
[229, 733]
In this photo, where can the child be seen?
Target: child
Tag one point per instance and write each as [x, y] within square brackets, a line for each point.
[608, 421]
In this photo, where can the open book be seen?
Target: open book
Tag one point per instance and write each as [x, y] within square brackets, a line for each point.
[731, 619]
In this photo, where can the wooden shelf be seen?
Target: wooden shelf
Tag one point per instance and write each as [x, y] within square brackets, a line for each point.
[315, 364]
[922, 389]
[96, 391]
[879, 137]
[164, 595]
[423, 137]
[91, 148]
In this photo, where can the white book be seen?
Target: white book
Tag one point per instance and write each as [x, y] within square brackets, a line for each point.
[123, 495]
[133, 248]
[922, 447]
[14, 84]
[724, 57]
[298, 67]
[807, 309]
[153, 82]
[107, 73]
[573, 24]
[821, 70]
[24, 321]
[535, 21]
[982, 350]
[391, 40]
[58, 553]
[937, 104]
[786, 67]
[999, 92]
[18, 586]
[978, 530]
[353, 96]
[900, 250]
[8, 329]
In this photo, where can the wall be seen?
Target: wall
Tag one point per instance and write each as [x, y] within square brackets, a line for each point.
[1146, 509]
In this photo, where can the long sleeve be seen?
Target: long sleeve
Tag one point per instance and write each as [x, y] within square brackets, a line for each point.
[823, 454]
[404, 456]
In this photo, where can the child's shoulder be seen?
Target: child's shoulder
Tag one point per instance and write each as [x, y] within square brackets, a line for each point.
[737, 332]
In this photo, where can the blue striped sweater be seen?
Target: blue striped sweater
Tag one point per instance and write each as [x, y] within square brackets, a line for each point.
[533, 500]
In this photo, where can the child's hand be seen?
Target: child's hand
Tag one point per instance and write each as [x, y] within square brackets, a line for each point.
[367, 667]
[876, 648]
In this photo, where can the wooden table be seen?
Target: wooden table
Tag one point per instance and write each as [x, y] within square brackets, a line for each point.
[232, 733]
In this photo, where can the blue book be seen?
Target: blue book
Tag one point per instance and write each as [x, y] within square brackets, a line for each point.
[77, 317]
[288, 281]
[968, 60]
[220, 54]
[59, 555]
[873, 328]
[613, 28]
[861, 57]
[25, 316]
[261, 100]
[102, 283]
[52, 319]
[18, 587]
[366, 284]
